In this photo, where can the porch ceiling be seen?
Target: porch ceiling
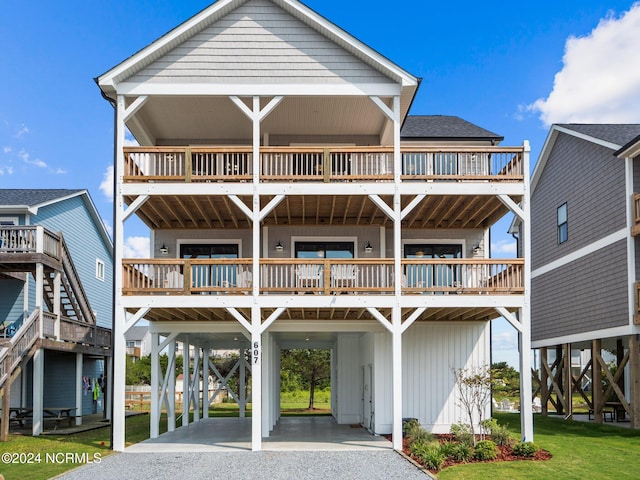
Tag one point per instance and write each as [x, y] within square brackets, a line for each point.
[435, 211]
[313, 314]
[171, 120]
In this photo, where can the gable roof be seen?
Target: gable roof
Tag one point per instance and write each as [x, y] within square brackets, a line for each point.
[444, 127]
[608, 135]
[631, 149]
[33, 198]
[619, 133]
[218, 10]
[28, 201]
[137, 332]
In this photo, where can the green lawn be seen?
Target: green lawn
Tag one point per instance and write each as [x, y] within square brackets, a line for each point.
[580, 451]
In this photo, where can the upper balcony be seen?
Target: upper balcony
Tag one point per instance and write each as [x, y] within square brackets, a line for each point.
[21, 247]
[322, 164]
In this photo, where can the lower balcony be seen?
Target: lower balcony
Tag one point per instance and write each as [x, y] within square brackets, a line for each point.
[322, 276]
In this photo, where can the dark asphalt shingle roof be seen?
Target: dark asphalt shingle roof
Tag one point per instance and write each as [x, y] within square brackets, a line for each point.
[32, 197]
[444, 127]
[618, 133]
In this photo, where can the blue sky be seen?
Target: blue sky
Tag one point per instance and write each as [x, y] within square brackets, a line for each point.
[510, 67]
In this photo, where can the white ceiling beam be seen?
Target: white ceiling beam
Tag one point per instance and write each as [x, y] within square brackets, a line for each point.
[137, 104]
[382, 205]
[412, 318]
[241, 205]
[135, 318]
[270, 206]
[412, 204]
[135, 205]
[513, 206]
[240, 318]
[510, 317]
[381, 318]
[272, 318]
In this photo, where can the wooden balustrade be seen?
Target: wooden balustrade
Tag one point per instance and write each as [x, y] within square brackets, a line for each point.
[635, 228]
[322, 276]
[25, 239]
[205, 164]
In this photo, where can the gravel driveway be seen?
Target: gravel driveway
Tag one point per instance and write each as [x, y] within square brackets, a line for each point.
[265, 465]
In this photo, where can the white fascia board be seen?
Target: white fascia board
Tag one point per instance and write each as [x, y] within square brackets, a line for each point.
[588, 138]
[462, 301]
[585, 337]
[195, 327]
[186, 301]
[18, 210]
[233, 89]
[550, 142]
[315, 188]
[147, 53]
[631, 151]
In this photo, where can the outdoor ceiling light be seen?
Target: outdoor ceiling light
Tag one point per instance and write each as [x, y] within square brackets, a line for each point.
[164, 250]
[368, 248]
[279, 247]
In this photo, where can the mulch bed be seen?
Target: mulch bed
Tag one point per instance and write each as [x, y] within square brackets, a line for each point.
[505, 455]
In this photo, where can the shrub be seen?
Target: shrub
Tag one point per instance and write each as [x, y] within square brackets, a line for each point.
[500, 434]
[414, 432]
[485, 450]
[525, 449]
[448, 449]
[462, 452]
[429, 453]
[462, 433]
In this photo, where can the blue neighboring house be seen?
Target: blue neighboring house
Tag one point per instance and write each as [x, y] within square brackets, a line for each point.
[56, 307]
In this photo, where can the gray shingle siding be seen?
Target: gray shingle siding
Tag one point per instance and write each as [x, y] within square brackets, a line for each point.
[591, 181]
[587, 294]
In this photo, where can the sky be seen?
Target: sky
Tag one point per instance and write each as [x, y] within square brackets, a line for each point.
[513, 68]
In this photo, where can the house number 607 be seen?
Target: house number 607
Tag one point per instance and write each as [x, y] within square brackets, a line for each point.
[256, 352]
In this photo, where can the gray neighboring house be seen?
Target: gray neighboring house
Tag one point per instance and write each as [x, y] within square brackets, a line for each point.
[585, 266]
[138, 340]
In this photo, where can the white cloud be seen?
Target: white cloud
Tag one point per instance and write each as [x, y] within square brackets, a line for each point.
[6, 149]
[22, 131]
[4, 170]
[60, 171]
[26, 158]
[600, 79]
[504, 247]
[504, 341]
[106, 186]
[131, 142]
[136, 247]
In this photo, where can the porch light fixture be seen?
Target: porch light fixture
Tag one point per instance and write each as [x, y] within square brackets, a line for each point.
[368, 248]
[279, 247]
[477, 249]
[164, 250]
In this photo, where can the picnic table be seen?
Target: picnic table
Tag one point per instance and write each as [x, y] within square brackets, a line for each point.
[58, 414]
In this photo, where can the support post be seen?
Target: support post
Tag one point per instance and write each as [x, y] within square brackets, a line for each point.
[195, 384]
[524, 347]
[397, 378]
[568, 380]
[205, 382]
[56, 303]
[171, 388]
[79, 361]
[596, 380]
[186, 382]
[38, 392]
[256, 381]
[155, 387]
[6, 404]
[242, 394]
[634, 379]
[560, 379]
[544, 382]
[119, 342]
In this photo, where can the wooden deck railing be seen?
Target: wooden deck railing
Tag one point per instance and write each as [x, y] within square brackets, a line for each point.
[325, 164]
[29, 239]
[635, 229]
[322, 276]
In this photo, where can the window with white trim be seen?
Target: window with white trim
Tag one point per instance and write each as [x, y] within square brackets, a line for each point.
[99, 269]
[563, 225]
[8, 221]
